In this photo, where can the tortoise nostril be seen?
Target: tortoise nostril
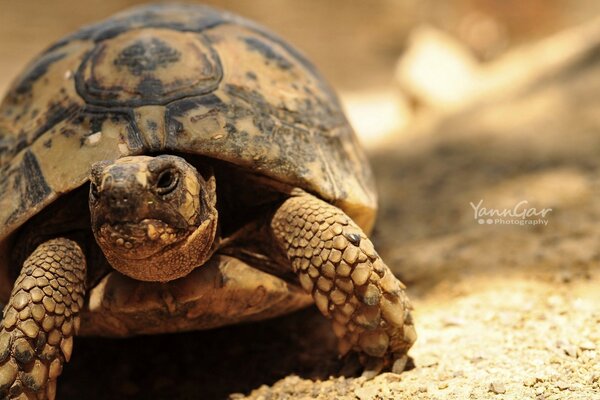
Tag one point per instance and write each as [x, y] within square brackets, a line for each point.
[118, 198]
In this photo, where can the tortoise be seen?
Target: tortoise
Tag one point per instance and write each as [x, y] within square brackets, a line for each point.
[177, 168]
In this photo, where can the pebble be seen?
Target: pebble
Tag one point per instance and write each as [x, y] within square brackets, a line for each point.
[570, 350]
[587, 345]
[443, 385]
[428, 360]
[477, 358]
[540, 390]
[529, 381]
[458, 374]
[453, 321]
[367, 393]
[555, 360]
[497, 387]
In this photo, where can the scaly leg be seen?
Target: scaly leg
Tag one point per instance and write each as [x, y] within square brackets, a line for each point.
[336, 262]
[40, 319]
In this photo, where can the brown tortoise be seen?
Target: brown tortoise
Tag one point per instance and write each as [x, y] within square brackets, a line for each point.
[208, 142]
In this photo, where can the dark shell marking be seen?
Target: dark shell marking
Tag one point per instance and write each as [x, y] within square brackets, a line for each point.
[148, 67]
[39, 69]
[175, 79]
[268, 52]
[147, 55]
[32, 190]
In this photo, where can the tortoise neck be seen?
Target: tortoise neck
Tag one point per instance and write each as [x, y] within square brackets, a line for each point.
[174, 261]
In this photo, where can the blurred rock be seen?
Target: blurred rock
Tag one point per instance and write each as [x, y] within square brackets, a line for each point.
[439, 73]
[436, 71]
[377, 115]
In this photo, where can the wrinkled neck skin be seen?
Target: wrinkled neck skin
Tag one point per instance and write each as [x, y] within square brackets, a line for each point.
[154, 218]
[174, 261]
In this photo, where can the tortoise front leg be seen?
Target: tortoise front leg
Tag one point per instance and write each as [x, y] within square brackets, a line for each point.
[40, 319]
[337, 264]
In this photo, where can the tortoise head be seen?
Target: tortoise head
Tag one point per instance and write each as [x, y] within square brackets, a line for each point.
[154, 218]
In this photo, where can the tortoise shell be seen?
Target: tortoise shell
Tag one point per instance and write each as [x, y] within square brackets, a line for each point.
[185, 79]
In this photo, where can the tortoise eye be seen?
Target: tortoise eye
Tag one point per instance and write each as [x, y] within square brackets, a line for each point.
[167, 181]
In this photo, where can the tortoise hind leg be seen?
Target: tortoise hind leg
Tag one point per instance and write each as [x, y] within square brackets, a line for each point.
[337, 264]
[40, 319]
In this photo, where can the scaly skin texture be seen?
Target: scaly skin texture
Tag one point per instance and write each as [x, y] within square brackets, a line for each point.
[40, 320]
[337, 264]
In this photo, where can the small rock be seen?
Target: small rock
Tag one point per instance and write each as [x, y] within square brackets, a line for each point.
[562, 385]
[540, 390]
[427, 360]
[555, 360]
[529, 381]
[386, 393]
[497, 387]
[587, 345]
[367, 393]
[423, 389]
[458, 374]
[477, 358]
[453, 321]
[570, 350]
[442, 385]
[390, 377]
[565, 277]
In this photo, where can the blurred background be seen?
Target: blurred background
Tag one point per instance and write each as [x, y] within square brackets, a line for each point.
[456, 101]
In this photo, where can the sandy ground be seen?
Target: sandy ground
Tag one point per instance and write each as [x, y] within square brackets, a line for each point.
[505, 338]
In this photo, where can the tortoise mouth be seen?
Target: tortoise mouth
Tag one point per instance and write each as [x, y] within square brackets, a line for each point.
[138, 240]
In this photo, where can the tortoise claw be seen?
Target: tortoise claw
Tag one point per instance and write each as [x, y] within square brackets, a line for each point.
[400, 364]
[373, 367]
